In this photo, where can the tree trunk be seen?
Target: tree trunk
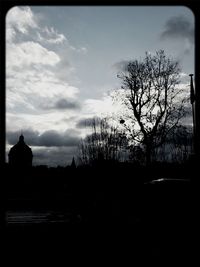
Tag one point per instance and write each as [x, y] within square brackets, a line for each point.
[148, 153]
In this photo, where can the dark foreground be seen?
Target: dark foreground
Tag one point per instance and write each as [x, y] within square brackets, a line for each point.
[96, 221]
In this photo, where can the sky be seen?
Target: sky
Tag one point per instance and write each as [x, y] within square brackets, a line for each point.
[62, 64]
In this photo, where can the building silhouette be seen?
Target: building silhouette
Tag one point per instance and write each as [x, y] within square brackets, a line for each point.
[20, 155]
[73, 164]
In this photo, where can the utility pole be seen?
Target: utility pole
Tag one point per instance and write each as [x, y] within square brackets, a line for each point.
[192, 101]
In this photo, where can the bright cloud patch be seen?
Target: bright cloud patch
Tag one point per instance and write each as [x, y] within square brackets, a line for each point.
[28, 53]
[50, 36]
[106, 106]
[19, 19]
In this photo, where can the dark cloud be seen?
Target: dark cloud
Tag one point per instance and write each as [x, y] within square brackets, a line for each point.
[179, 27]
[30, 136]
[66, 104]
[53, 138]
[121, 65]
[61, 104]
[83, 123]
[49, 138]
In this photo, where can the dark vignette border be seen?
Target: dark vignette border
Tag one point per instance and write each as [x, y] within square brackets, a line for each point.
[5, 5]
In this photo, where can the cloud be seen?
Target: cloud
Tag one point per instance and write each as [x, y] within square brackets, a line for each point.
[19, 20]
[29, 53]
[179, 27]
[50, 138]
[53, 138]
[36, 76]
[103, 107]
[81, 50]
[36, 90]
[51, 36]
[30, 136]
[60, 104]
[67, 104]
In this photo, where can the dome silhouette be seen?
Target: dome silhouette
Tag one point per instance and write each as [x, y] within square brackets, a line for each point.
[20, 155]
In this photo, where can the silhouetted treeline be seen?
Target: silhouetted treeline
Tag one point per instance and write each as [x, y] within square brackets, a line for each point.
[107, 195]
[58, 186]
[103, 170]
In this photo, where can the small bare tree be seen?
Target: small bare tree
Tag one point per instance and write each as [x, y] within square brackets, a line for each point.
[151, 94]
[180, 143]
[104, 143]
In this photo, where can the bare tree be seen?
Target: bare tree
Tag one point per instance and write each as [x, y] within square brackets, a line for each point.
[180, 143]
[151, 94]
[104, 143]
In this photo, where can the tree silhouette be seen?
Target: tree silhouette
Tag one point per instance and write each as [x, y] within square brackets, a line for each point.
[150, 92]
[103, 144]
[181, 143]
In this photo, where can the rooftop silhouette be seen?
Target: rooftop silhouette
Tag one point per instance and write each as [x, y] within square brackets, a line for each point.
[20, 155]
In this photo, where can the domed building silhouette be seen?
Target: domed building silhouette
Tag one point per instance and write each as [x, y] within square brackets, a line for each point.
[20, 155]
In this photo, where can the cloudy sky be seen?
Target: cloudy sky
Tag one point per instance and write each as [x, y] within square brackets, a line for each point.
[62, 64]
